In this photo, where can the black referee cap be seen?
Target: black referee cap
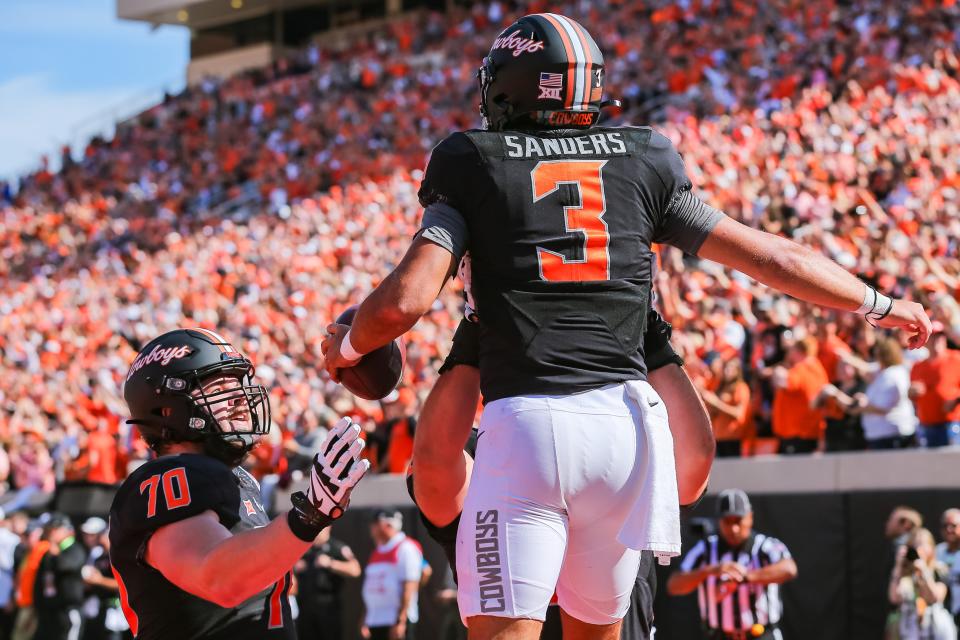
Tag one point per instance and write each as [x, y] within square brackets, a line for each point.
[392, 516]
[57, 520]
[733, 502]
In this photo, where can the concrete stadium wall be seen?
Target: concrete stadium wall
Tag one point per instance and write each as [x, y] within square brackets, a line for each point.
[837, 472]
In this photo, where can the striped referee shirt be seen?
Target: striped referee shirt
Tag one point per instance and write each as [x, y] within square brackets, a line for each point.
[736, 609]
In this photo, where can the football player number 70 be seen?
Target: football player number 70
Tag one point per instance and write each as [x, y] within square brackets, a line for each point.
[176, 491]
[586, 219]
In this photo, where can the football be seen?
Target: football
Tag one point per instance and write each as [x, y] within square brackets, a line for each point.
[378, 372]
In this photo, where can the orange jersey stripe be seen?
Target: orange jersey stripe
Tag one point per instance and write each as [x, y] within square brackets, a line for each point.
[132, 619]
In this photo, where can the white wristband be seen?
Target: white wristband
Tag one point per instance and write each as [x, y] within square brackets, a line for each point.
[869, 300]
[347, 350]
[881, 310]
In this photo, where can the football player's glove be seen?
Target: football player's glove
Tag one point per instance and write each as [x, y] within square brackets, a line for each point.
[465, 348]
[657, 350]
[336, 470]
[465, 271]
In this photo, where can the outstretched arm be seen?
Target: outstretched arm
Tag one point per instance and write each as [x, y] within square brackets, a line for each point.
[394, 306]
[683, 582]
[202, 557]
[804, 274]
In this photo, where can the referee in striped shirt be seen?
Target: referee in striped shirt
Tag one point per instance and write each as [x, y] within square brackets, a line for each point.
[737, 575]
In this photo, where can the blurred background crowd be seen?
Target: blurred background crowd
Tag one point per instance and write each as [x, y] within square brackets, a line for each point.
[265, 204]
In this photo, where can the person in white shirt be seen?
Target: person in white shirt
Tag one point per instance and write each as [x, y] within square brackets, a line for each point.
[948, 554]
[8, 544]
[889, 420]
[391, 581]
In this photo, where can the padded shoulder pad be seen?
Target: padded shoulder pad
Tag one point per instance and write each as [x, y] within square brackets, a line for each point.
[666, 161]
[174, 488]
[452, 164]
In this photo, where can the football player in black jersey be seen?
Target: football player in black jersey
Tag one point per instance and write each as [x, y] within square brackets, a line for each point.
[438, 477]
[558, 215]
[194, 554]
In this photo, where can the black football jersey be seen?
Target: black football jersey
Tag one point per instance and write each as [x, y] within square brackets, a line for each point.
[559, 227]
[173, 488]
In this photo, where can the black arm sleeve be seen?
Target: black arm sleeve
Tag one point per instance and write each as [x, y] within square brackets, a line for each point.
[657, 350]
[466, 347]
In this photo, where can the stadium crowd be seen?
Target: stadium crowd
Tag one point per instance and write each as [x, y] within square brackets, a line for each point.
[265, 204]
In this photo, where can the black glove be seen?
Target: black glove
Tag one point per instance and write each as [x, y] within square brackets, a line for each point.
[465, 348]
[657, 351]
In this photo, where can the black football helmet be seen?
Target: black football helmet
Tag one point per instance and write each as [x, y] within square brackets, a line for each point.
[543, 70]
[164, 392]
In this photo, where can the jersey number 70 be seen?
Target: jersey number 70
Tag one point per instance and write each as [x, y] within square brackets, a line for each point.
[175, 497]
[586, 219]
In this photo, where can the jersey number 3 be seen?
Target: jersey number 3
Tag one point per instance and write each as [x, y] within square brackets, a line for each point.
[586, 219]
[175, 496]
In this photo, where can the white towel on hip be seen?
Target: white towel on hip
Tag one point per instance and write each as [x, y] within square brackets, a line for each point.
[653, 523]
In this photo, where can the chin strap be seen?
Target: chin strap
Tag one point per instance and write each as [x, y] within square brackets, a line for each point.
[216, 446]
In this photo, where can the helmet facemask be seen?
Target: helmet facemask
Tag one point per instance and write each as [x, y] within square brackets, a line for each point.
[495, 114]
[228, 412]
[232, 404]
[234, 412]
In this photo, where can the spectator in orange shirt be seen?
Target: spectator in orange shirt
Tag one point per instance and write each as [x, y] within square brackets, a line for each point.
[729, 407]
[844, 431]
[795, 421]
[829, 345]
[25, 624]
[935, 390]
[102, 453]
[398, 427]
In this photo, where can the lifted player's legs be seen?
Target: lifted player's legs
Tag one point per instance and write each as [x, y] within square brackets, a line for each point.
[574, 629]
[489, 628]
[544, 506]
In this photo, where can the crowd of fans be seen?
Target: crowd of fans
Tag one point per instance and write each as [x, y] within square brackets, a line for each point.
[265, 204]
[924, 586]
